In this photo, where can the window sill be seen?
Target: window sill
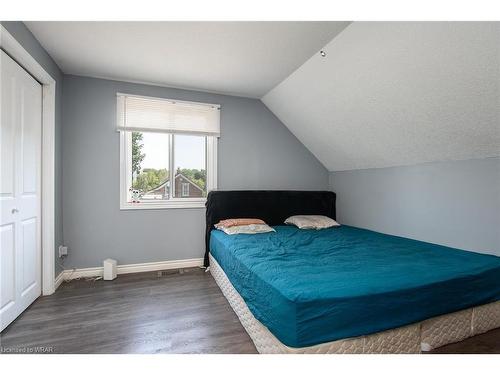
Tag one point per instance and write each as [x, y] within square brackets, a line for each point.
[177, 203]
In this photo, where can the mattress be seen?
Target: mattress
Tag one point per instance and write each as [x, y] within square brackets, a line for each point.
[311, 287]
[422, 336]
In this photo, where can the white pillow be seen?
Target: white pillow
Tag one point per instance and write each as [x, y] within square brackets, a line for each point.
[311, 221]
[247, 229]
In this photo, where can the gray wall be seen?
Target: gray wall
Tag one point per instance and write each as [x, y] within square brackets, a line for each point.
[450, 203]
[256, 151]
[21, 33]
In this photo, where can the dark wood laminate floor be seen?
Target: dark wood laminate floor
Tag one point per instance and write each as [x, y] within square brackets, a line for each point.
[143, 313]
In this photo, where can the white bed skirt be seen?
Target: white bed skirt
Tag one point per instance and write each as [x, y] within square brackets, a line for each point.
[414, 338]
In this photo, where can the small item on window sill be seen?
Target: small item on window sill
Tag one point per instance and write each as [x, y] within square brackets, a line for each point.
[135, 195]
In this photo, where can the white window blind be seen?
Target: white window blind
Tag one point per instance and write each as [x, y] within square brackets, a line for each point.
[147, 114]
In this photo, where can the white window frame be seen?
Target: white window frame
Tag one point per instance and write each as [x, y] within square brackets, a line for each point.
[126, 170]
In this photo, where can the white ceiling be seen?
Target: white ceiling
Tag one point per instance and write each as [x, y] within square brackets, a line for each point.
[397, 93]
[239, 58]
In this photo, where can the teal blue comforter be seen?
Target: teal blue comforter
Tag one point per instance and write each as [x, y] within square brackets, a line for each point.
[308, 287]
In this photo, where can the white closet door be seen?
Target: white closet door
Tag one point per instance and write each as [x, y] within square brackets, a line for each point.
[20, 175]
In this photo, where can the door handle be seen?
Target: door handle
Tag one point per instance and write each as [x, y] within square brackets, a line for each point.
[15, 211]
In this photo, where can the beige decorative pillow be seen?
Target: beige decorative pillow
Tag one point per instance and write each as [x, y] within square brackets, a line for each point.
[247, 229]
[236, 222]
[311, 221]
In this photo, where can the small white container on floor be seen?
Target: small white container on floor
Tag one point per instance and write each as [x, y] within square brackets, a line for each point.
[109, 269]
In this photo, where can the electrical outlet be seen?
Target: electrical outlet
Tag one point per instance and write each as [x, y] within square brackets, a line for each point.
[63, 251]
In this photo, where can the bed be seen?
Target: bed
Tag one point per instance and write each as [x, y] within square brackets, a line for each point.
[344, 289]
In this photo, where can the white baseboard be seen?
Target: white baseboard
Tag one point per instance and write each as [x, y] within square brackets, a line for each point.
[59, 280]
[159, 266]
[128, 268]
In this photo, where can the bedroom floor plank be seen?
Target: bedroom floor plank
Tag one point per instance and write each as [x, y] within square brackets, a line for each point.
[143, 313]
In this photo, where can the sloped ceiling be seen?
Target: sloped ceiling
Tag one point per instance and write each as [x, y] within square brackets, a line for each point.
[397, 93]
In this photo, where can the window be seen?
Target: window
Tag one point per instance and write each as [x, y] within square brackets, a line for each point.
[168, 152]
[185, 189]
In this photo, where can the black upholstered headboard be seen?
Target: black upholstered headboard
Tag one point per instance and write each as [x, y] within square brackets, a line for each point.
[272, 206]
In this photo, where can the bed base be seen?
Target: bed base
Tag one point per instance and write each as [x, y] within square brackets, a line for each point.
[413, 338]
